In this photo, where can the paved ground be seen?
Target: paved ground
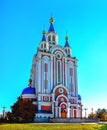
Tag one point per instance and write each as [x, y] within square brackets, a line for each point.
[71, 123]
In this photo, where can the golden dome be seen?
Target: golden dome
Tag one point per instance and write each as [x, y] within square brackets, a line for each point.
[43, 32]
[66, 38]
[30, 80]
[51, 20]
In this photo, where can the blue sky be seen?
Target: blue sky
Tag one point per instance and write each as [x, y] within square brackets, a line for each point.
[21, 25]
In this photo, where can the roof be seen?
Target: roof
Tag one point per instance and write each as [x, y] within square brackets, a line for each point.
[43, 38]
[79, 97]
[28, 90]
[66, 44]
[51, 28]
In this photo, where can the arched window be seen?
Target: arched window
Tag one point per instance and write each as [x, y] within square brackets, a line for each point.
[41, 45]
[59, 71]
[69, 51]
[45, 76]
[45, 45]
[49, 38]
[53, 38]
[66, 51]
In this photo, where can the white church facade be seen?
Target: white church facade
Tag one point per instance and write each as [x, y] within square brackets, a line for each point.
[54, 85]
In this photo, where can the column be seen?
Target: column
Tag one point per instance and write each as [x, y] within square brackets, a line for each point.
[51, 72]
[39, 75]
[76, 80]
[66, 73]
[63, 71]
[71, 112]
[59, 112]
[56, 112]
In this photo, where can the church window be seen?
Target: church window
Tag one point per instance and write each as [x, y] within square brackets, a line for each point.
[46, 83]
[71, 71]
[49, 38]
[41, 45]
[44, 45]
[68, 51]
[45, 75]
[61, 90]
[59, 71]
[46, 67]
[53, 38]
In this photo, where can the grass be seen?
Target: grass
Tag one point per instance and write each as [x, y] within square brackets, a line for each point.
[53, 127]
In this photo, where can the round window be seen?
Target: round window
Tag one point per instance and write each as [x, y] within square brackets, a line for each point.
[61, 90]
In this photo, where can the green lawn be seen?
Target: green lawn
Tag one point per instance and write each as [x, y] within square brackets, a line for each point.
[52, 127]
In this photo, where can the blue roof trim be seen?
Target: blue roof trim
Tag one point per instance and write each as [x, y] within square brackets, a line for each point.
[79, 97]
[43, 38]
[51, 28]
[28, 90]
[66, 44]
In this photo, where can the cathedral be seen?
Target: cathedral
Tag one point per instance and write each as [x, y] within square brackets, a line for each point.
[53, 85]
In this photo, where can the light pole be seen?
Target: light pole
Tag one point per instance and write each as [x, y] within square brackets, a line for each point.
[85, 111]
[92, 110]
[81, 110]
[4, 111]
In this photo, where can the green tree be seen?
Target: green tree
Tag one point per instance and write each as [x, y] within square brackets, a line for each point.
[22, 111]
[100, 112]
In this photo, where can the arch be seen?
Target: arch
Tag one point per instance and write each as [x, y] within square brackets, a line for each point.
[62, 96]
[58, 48]
[70, 63]
[60, 85]
[45, 58]
[63, 103]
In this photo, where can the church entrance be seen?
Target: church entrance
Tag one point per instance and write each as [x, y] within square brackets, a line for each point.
[63, 111]
[63, 114]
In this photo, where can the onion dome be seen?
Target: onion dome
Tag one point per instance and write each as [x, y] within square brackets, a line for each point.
[66, 43]
[29, 92]
[79, 97]
[44, 37]
[51, 28]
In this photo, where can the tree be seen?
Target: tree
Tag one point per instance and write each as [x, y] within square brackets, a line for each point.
[92, 116]
[100, 112]
[22, 111]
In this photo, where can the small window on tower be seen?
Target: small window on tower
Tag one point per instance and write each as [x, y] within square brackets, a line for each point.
[44, 45]
[53, 38]
[69, 51]
[41, 45]
[49, 38]
[66, 51]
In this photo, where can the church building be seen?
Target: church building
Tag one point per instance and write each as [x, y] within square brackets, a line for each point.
[53, 86]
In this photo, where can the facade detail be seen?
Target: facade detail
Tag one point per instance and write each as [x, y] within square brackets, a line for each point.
[53, 86]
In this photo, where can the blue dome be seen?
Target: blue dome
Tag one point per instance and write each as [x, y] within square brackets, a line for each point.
[28, 90]
[79, 97]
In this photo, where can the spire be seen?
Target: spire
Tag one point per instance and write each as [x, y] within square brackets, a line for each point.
[51, 28]
[66, 43]
[43, 37]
